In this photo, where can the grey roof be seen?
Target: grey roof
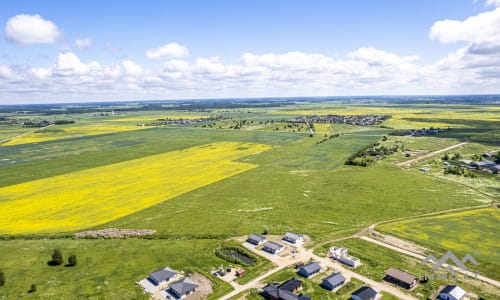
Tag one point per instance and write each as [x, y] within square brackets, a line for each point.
[162, 274]
[273, 245]
[292, 236]
[335, 278]
[485, 163]
[284, 290]
[365, 293]
[256, 237]
[454, 290]
[311, 268]
[183, 286]
[401, 275]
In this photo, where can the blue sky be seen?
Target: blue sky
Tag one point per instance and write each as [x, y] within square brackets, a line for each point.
[246, 48]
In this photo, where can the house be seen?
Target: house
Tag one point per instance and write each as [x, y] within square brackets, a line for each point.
[273, 247]
[293, 238]
[446, 164]
[400, 278]
[365, 293]
[309, 269]
[466, 162]
[240, 272]
[452, 292]
[483, 164]
[425, 169]
[182, 288]
[495, 169]
[333, 281]
[162, 276]
[341, 254]
[256, 239]
[285, 291]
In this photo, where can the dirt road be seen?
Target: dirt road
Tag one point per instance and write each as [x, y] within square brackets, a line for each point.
[428, 155]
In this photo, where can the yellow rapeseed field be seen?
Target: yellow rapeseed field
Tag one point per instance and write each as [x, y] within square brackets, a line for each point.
[64, 132]
[94, 196]
[322, 128]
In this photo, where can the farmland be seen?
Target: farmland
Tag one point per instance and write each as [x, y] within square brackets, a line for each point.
[63, 203]
[246, 171]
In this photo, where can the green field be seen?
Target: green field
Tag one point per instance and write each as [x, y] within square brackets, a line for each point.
[299, 185]
[478, 235]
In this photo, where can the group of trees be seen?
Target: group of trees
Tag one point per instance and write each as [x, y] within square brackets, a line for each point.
[57, 259]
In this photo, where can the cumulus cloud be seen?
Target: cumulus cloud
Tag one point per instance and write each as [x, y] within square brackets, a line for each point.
[493, 2]
[83, 43]
[131, 68]
[69, 64]
[171, 50]
[31, 29]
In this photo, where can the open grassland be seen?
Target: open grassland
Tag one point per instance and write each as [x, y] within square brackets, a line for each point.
[475, 232]
[375, 260]
[95, 196]
[57, 132]
[106, 269]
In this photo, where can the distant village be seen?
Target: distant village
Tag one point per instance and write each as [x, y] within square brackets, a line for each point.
[360, 120]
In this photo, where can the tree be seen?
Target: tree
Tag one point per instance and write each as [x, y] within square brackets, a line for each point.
[57, 257]
[266, 231]
[2, 278]
[32, 289]
[72, 260]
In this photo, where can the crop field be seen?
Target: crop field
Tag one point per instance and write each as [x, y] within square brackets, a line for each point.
[156, 117]
[95, 196]
[478, 235]
[57, 132]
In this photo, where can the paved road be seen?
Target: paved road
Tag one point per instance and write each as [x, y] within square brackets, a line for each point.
[305, 255]
[421, 257]
[428, 155]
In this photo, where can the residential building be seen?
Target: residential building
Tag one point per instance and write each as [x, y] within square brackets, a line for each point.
[365, 293]
[342, 255]
[293, 238]
[256, 239]
[333, 281]
[285, 291]
[162, 276]
[452, 292]
[309, 269]
[273, 247]
[400, 278]
[182, 288]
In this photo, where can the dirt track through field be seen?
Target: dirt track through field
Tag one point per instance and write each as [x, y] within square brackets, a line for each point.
[428, 155]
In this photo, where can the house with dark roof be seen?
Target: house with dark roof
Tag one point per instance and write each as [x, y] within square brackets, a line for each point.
[256, 239]
[333, 281]
[400, 278]
[483, 164]
[162, 276]
[293, 238]
[182, 288]
[309, 270]
[285, 291]
[452, 292]
[272, 247]
[365, 293]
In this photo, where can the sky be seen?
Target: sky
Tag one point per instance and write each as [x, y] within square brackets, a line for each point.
[69, 51]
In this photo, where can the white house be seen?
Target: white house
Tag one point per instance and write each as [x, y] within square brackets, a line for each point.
[272, 247]
[342, 255]
[452, 292]
[293, 238]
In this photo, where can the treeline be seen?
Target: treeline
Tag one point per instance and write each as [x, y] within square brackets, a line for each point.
[326, 138]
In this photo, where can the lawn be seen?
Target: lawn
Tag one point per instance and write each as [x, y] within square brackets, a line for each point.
[106, 269]
[474, 231]
[94, 196]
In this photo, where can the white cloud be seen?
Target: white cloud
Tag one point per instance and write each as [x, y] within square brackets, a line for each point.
[171, 50]
[6, 72]
[493, 2]
[83, 43]
[69, 64]
[31, 29]
[131, 68]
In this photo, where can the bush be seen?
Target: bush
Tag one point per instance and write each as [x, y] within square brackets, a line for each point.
[32, 289]
[2, 278]
[57, 258]
[72, 260]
